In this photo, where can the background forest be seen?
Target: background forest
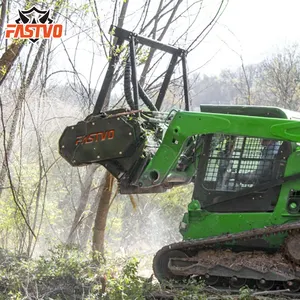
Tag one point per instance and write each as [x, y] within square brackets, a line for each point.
[51, 84]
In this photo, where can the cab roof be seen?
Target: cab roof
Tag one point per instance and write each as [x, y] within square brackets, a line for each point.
[249, 110]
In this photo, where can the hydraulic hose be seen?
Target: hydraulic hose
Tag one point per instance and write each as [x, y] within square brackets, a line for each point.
[146, 99]
[128, 93]
[127, 85]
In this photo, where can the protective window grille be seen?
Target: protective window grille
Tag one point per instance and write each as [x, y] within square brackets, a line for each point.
[236, 163]
[293, 204]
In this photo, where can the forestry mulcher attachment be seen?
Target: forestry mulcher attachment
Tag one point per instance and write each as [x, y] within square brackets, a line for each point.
[242, 224]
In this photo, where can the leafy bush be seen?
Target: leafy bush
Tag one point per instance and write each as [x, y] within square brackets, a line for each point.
[69, 273]
[128, 285]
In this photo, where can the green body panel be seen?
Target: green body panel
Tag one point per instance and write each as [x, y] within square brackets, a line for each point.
[201, 224]
[217, 224]
[277, 124]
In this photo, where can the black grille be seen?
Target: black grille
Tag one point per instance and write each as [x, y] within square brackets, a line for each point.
[236, 163]
[293, 204]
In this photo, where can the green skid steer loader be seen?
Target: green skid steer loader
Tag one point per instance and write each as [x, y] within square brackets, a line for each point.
[242, 224]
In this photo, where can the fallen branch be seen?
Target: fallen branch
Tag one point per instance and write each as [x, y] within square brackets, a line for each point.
[270, 292]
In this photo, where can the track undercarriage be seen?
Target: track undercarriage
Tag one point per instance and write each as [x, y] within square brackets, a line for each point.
[221, 266]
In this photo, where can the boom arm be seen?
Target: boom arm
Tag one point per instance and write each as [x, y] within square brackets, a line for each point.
[186, 124]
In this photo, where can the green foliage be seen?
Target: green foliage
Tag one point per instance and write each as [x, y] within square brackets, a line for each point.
[3, 70]
[174, 203]
[12, 223]
[113, 30]
[128, 285]
[68, 273]
[142, 55]
[192, 291]
[245, 293]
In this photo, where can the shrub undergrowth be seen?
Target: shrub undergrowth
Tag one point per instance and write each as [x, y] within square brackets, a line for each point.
[68, 273]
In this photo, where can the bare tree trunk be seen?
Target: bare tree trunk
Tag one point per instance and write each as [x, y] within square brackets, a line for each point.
[2, 16]
[102, 212]
[103, 207]
[120, 24]
[85, 191]
[13, 51]
[247, 83]
[21, 97]
[8, 58]
[89, 222]
[152, 50]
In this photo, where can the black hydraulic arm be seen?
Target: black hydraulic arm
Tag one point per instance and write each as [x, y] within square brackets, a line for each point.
[134, 76]
[127, 35]
[166, 81]
[185, 82]
[107, 79]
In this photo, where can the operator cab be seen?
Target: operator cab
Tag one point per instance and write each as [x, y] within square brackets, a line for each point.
[236, 173]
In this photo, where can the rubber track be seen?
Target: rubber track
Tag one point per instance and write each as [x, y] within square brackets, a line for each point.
[222, 239]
